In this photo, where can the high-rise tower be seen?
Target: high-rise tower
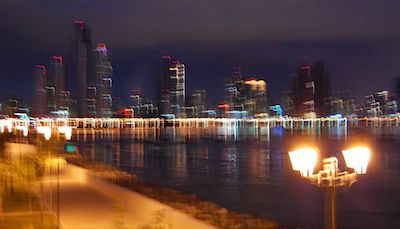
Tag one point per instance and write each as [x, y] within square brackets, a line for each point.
[83, 52]
[104, 73]
[171, 87]
[322, 87]
[40, 90]
[311, 87]
[60, 84]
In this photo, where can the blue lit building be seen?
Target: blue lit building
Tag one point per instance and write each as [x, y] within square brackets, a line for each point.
[104, 72]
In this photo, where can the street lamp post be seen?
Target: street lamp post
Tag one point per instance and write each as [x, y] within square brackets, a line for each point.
[330, 177]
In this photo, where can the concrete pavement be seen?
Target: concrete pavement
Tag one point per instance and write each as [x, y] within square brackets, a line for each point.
[87, 201]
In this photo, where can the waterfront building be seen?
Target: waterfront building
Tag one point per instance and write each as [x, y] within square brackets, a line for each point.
[372, 108]
[322, 86]
[387, 102]
[59, 81]
[136, 101]
[246, 95]
[311, 87]
[40, 90]
[288, 103]
[50, 88]
[237, 114]
[341, 102]
[104, 74]
[275, 110]
[254, 96]
[231, 95]
[83, 52]
[91, 110]
[303, 92]
[13, 107]
[171, 88]
[51, 94]
[196, 104]
[142, 107]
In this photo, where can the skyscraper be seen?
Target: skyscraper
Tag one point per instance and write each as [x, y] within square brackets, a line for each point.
[196, 104]
[311, 87]
[233, 89]
[171, 87]
[304, 91]
[255, 94]
[322, 86]
[136, 101]
[104, 73]
[59, 80]
[40, 90]
[246, 94]
[83, 51]
[340, 102]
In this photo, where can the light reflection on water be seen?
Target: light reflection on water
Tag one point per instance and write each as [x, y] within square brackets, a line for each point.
[247, 169]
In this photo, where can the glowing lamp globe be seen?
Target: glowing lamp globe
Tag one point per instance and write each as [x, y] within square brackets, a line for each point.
[303, 160]
[357, 158]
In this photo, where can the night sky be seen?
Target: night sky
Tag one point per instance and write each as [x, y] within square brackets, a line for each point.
[358, 40]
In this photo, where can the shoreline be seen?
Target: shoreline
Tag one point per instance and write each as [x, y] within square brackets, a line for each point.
[190, 204]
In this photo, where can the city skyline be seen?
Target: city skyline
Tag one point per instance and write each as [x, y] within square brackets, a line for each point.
[89, 90]
[83, 37]
[270, 54]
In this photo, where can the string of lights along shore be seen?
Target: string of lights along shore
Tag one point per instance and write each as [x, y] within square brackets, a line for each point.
[309, 96]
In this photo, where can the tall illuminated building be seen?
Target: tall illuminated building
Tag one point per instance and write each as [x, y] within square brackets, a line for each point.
[288, 103]
[233, 90]
[322, 86]
[311, 87]
[171, 88]
[246, 94]
[196, 104]
[380, 104]
[104, 72]
[255, 94]
[40, 90]
[91, 110]
[142, 107]
[83, 52]
[304, 91]
[340, 102]
[59, 81]
[50, 91]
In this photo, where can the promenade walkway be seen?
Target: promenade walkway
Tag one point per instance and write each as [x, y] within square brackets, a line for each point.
[86, 201]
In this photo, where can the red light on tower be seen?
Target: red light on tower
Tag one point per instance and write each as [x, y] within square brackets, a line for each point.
[166, 57]
[59, 58]
[80, 23]
[101, 45]
[40, 67]
[251, 78]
